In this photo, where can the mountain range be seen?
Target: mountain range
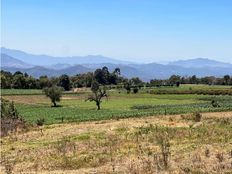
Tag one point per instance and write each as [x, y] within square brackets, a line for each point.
[37, 65]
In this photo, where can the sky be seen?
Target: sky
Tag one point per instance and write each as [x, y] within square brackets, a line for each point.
[134, 30]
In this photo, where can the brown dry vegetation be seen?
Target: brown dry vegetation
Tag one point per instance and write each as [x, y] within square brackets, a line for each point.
[159, 144]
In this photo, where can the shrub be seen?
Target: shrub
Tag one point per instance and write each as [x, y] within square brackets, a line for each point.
[215, 104]
[164, 143]
[40, 122]
[197, 116]
[135, 90]
[10, 119]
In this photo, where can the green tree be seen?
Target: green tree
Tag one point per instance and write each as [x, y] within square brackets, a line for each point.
[98, 93]
[64, 82]
[174, 80]
[19, 81]
[136, 82]
[194, 80]
[54, 93]
[226, 79]
[30, 82]
[43, 82]
[127, 85]
[6, 79]
[117, 71]
[100, 76]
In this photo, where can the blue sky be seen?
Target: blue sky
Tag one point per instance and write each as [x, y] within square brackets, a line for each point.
[135, 30]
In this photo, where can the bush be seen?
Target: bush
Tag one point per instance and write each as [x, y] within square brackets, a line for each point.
[197, 116]
[135, 90]
[10, 119]
[40, 122]
[215, 104]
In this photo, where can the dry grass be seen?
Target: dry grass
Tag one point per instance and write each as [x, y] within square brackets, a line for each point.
[124, 146]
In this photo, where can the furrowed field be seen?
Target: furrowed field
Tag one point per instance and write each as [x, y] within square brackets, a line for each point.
[32, 105]
[132, 133]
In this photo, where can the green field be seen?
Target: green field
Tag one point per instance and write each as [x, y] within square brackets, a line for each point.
[21, 92]
[143, 90]
[74, 108]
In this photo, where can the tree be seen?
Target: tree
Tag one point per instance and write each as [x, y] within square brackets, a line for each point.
[136, 82]
[174, 79]
[98, 94]
[19, 81]
[30, 82]
[193, 79]
[127, 86]
[135, 90]
[209, 80]
[117, 71]
[100, 76]
[64, 82]
[226, 79]
[54, 93]
[43, 81]
[6, 79]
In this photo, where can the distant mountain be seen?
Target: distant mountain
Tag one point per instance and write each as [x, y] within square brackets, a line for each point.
[199, 63]
[9, 61]
[45, 60]
[74, 65]
[144, 71]
[38, 71]
[59, 66]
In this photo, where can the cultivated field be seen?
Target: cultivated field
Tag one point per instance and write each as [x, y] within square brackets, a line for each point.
[132, 133]
[33, 105]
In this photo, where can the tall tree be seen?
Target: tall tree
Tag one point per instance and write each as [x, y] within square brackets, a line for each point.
[100, 76]
[19, 81]
[226, 79]
[64, 82]
[174, 80]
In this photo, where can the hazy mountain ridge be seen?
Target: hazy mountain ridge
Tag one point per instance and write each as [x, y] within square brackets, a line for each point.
[45, 60]
[8, 61]
[199, 63]
[200, 67]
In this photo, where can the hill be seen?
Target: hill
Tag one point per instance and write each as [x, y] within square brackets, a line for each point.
[55, 66]
[200, 63]
[45, 60]
[8, 61]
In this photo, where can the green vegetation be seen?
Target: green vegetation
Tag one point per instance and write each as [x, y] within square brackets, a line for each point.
[21, 92]
[74, 108]
[54, 93]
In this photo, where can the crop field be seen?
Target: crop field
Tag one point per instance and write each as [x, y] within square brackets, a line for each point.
[132, 133]
[74, 108]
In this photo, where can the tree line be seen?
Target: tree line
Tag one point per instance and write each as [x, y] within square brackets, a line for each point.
[176, 80]
[103, 76]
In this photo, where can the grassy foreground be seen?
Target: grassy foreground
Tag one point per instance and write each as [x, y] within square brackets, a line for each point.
[161, 144]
